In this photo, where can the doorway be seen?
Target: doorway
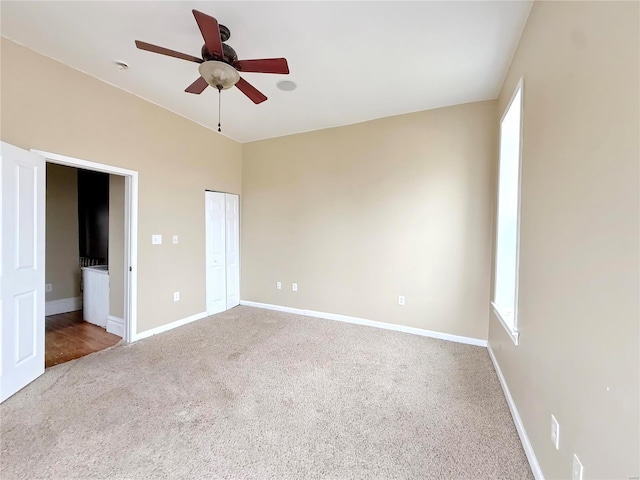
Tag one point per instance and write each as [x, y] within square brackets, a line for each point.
[222, 222]
[84, 258]
[22, 260]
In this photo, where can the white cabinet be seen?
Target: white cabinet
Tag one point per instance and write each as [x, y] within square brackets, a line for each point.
[95, 294]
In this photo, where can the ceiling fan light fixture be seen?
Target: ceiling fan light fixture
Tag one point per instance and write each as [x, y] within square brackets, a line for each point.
[219, 75]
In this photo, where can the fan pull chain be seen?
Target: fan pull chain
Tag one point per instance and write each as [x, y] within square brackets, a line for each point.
[219, 99]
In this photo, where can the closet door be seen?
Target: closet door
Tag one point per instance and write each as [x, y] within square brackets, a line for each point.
[233, 249]
[216, 252]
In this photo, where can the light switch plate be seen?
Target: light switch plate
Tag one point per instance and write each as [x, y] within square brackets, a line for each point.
[176, 296]
[156, 239]
[294, 287]
[577, 470]
[175, 239]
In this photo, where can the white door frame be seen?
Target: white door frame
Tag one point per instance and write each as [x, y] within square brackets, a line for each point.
[231, 266]
[130, 231]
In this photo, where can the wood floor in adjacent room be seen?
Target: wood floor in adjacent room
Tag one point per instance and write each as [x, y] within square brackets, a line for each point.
[68, 336]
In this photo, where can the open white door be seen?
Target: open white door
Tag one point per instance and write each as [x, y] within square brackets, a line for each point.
[215, 256]
[21, 268]
[233, 250]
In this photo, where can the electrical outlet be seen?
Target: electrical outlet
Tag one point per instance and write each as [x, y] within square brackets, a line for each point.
[279, 285]
[176, 296]
[175, 239]
[156, 239]
[48, 287]
[294, 287]
[577, 470]
[555, 432]
[400, 300]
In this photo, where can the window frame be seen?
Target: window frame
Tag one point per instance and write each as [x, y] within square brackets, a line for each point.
[513, 332]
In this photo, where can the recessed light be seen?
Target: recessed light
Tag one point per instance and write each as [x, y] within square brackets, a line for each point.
[121, 65]
[286, 85]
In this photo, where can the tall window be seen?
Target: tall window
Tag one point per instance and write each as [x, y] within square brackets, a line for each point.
[506, 278]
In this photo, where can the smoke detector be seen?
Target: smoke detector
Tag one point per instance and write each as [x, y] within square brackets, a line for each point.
[120, 64]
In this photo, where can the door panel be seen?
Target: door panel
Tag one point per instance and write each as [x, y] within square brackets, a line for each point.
[218, 280]
[26, 216]
[22, 268]
[215, 254]
[233, 249]
[26, 313]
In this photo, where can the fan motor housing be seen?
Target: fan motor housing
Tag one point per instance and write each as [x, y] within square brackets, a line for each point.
[229, 54]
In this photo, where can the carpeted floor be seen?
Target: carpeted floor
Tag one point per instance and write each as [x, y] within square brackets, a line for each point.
[255, 394]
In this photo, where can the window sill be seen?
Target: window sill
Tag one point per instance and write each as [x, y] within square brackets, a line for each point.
[514, 335]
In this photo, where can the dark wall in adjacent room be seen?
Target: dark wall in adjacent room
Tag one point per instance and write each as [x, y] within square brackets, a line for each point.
[93, 214]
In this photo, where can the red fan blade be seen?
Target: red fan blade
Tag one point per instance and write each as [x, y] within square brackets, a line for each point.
[263, 65]
[165, 51]
[250, 91]
[198, 86]
[210, 32]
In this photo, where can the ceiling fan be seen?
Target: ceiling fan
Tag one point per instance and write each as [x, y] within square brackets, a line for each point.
[219, 65]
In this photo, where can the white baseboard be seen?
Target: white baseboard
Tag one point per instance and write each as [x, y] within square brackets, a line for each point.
[169, 326]
[64, 305]
[115, 325]
[371, 323]
[524, 438]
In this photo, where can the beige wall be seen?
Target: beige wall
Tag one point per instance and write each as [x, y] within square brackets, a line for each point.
[62, 269]
[579, 303]
[358, 215]
[73, 114]
[116, 246]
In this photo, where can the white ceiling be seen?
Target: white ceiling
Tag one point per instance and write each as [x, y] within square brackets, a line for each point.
[352, 61]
